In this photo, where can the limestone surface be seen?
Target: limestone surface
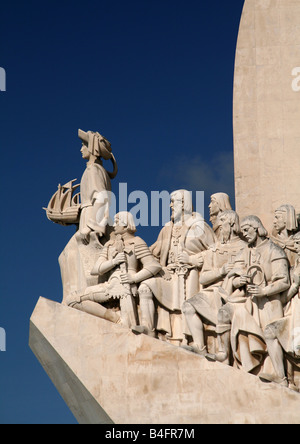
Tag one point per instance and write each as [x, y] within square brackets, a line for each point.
[105, 373]
[266, 108]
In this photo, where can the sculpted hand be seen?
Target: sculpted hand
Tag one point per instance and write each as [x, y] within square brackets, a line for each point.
[119, 259]
[200, 261]
[127, 278]
[226, 268]
[255, 291]
[85, 235]
[183, 258]
[243, 280]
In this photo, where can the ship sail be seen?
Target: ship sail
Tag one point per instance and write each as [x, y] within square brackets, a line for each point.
[66, 199]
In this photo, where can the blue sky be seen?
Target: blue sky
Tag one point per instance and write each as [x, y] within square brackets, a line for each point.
[155, 78]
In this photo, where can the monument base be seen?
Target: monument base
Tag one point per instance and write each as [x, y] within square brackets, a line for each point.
[107, 374]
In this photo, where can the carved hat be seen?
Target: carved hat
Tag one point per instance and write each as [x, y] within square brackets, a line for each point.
[96, 144]
[291, 217]
[223, 201]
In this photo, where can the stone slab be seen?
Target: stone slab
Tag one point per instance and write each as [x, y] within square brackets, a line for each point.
[106, 374]
[266, 108]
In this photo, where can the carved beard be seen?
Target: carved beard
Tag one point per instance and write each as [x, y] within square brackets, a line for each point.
[225, 235]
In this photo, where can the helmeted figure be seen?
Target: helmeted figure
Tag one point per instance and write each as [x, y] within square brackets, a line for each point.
[124, 261]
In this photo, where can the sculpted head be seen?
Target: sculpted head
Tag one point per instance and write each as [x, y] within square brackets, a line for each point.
[296, 239]
[229, 224]
[181, 205]
[93, 144]
[252, 229]
[124, 222]
[219, 202]
[285, 218]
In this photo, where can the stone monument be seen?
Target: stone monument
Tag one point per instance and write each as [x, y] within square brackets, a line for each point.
[266, 108]
[203, 326]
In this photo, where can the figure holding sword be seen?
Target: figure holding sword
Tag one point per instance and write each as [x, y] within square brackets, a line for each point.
[124, 262]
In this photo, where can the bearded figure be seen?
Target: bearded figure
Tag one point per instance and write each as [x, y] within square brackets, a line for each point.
[218, 202]
[179, 250]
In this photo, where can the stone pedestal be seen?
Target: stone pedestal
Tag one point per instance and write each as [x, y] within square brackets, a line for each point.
[266, 108]
[106, 374]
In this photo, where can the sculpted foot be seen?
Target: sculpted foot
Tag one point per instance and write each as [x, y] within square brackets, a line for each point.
[187, 347]
[195, 349]
[293, 387]
[266, 377]
[200, 351]
[221, 356]
[141, 329]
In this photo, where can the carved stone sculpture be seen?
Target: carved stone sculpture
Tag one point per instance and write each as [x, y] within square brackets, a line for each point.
[64, 207]
[219, 260]
[259, 279]
[230, 293]
[124, 261]
[218, 202]
[95, 182]
[287, 329]
[82, 251]
[285, 225]
[179, 249]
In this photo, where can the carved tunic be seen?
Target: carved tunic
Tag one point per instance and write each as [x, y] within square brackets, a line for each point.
[287, 244]
[138, 260]
[138, 256]
[94, 180]
[208, 301]
[178, 282]
[273, 261]
[287, 329]
[251, 315]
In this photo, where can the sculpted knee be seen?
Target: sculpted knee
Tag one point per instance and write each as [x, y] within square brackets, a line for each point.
[144, 291]
[187, 309]
[269, 332]
[223, 316]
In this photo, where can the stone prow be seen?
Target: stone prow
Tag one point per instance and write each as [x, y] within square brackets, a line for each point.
[107, 374]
